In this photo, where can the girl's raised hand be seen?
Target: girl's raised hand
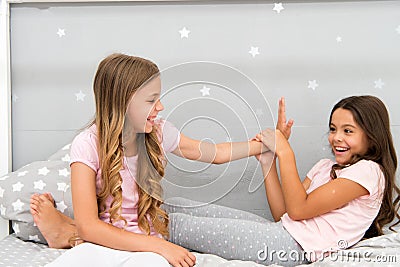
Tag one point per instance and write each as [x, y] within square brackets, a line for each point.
[274, 140]
[284, 128]
[176, 255]
[267, 137]
[282, 125]
[266, 157]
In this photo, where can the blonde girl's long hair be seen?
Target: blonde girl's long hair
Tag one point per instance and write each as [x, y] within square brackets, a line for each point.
[117, 78]
[372, 116]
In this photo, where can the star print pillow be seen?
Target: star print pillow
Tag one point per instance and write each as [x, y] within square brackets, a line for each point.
[16, 188]
[62, 154]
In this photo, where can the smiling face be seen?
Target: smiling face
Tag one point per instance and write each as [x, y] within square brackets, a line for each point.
[145, 106]
[346, 137]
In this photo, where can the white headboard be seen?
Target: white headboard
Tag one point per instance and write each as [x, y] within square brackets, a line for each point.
[5, 101]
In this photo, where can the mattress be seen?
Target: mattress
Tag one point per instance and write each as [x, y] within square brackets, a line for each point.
[379, 251]
[15, 252]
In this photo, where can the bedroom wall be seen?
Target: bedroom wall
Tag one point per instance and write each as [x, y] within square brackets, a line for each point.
[313, 53]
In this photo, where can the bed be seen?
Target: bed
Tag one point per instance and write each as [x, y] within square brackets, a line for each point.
[282, 50]
[375, 252]
[27, 247]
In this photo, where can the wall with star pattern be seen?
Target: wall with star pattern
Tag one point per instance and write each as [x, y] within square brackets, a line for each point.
[312, 53]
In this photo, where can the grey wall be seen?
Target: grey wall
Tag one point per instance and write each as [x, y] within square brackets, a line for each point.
[346, 47]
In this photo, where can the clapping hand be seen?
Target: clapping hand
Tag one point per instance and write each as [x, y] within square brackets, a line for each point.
[268, 137]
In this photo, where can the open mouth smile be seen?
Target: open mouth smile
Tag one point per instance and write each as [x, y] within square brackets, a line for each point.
[151, 119]
[341, 149]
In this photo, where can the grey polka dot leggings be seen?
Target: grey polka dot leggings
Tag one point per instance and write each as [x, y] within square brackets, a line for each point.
[231, 233]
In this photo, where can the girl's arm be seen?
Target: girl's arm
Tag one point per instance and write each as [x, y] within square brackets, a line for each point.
[299, 204]
[272, 185]
[217, 153]
[224, 152]
[92, 229]
[273, 188]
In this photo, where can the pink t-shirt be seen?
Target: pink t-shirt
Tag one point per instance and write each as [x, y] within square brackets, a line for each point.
[84, 150]
[345, 226]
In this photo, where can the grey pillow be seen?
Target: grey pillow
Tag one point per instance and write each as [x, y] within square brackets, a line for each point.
[16, 188]
[62, 154]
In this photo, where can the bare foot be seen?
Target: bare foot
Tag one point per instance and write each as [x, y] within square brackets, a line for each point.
[55, 227]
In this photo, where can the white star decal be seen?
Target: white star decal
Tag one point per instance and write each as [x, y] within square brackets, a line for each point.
[2, 210]
[43, 171]
[184, 33]
[398, 29]
[22, 173]
[61, 206]
[339, 39]
[254, 51]
[313, 84]
[17, 205]
[34, 238]
[66, 147]
[80, 96]
[379, 84]
[39, 185]
[62, 187]
[1, 192]
[205, 91]
[61, 32]
[278, 7]
[64, 172]
[16, 228]
[66, 158]
[17, 187]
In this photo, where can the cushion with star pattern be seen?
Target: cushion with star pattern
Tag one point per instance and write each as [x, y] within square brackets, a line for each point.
[51, 176]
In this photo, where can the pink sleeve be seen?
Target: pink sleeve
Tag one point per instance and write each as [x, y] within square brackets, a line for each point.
[366, 173]
[84, 150]
[170, 136]
[318, 167]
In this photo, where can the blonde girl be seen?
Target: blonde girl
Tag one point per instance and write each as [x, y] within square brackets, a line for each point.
[116, 208]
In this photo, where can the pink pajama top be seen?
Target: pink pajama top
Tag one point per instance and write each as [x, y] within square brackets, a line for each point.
[84, 150]
[345, 226]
